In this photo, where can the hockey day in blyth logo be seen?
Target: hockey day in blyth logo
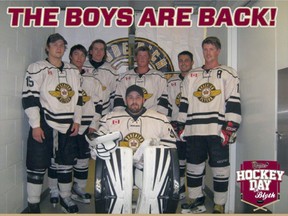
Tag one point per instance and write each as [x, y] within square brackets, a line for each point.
[260, 183]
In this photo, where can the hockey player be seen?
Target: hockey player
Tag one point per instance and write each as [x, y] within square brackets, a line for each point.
[185, 63]
[103, 71]
[151, 81]
[52, 100]
[91, 114]
[211, 111]
[136, 123]
[139, 125]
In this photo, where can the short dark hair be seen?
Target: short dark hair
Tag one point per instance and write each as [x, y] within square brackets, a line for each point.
[53, 38]
[78, 47]
[186, 53]
[135, 88]
[143, 49]
[91, 47]
[212, 40]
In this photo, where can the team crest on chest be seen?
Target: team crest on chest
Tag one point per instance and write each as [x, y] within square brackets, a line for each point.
[132, 140]
[104, 88]
[146, 94]
[177, 100]
[206, 92]
[85, 97]
[63, 92]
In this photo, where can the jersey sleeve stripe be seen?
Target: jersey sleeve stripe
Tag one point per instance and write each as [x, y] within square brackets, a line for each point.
[233, 107]
[183, 107]
[30, 101]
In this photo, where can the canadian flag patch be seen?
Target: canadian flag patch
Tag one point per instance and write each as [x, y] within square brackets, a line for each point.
[117, 121]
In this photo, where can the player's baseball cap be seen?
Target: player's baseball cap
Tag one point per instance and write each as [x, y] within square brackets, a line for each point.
[54, 37]
[136, 89]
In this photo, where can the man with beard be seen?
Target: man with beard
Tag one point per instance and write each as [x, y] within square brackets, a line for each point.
[136, 123]
[141, 129]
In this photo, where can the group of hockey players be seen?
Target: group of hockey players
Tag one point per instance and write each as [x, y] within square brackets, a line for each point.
[197, 111]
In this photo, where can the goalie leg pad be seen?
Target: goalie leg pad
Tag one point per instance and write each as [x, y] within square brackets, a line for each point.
[114, 182]
[161, 181]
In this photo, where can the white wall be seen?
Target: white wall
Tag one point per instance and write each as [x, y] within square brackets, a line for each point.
[282, 62]
[18, 48]
[261, 52]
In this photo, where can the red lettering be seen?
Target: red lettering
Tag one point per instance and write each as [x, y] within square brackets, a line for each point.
[258, 17]
[166, 15]
[50, 15]
[125, 17]
[184, 16]
[73, 17]
[15, 15]
[148, 16]
[206, 16]
[273, 15]
[91, 17]
[224, 17]
[241, 16]
[108, 15]
[32, 17]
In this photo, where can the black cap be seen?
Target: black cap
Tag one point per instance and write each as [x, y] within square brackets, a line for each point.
[136, 89]
[54, 37]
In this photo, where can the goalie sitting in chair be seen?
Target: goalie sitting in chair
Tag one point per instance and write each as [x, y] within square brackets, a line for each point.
[150, 162]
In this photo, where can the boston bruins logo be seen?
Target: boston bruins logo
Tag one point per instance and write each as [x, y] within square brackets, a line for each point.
[206, 92]
[119, 54]
[63, 92]
[85, 97]
[146, 94]
[132, 140]
[177, 100]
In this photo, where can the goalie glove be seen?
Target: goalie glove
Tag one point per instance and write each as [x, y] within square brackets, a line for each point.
[228, 133]
[103, 145]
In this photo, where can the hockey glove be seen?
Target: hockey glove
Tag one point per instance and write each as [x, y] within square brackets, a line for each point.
[180, 131]
[175, 126]
[103, 145]
[228, 133]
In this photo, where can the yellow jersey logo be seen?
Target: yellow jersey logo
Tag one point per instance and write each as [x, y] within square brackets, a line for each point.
[206, 92]
[132, 140]
[63, 92]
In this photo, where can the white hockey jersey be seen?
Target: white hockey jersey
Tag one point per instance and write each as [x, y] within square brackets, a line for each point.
[209, 99]
[107, 75]
[57, 93]
[92, 101]
[154, 85]
[150, 124]
[174, 94]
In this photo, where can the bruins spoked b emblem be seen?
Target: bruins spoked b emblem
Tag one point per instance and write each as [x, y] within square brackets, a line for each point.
[63, 92]
[206, 92]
